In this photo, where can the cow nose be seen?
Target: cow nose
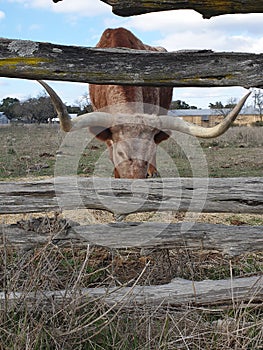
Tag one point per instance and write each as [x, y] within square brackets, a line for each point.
[152, 171]
[153, 174]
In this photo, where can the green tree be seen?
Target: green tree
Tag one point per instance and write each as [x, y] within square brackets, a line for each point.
[178, 104]
[221, 109]
[74, 109]
[258, 102]
[32, 110]
[216, 105]
[7, 106]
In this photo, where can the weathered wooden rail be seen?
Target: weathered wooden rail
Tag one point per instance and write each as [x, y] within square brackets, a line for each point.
[239, 195]
[177, 293]
[223, 195]
[208, 8]
[203, 68]
[231, 240]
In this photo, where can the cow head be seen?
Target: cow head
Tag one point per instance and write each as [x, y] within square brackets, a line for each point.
[132, 145]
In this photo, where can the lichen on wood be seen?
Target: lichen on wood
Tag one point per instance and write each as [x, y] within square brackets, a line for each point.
[200, 68]
[23, 47]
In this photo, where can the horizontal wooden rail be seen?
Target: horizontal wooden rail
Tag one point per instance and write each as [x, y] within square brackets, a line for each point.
[223, 195]
[208, 8]
[203, 68]
[178, 292]
[231, 240]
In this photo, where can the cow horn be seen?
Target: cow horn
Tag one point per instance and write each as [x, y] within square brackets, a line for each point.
[161, 122]
[172, 123]
[83, 121]
[64, 118]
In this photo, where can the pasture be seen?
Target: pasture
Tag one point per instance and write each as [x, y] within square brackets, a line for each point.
[30, 151]
[69, 321]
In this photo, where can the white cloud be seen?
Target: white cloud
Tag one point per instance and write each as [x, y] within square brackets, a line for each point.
[187, 29]
[206, 40]
[177, 30]
[167, 21]
[82, 8]
[240, 23]
[201, 97]
[253, 44]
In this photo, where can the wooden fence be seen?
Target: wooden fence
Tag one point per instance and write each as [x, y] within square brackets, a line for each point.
[202, 68]
[207, 8]
[193, 68]
[235, 195]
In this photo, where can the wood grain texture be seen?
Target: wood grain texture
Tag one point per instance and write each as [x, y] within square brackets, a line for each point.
[177, 293]
[121, 196]
[203, 68]
[231, 240]
[208, 8]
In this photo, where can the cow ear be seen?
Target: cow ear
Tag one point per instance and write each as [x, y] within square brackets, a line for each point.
[101, 133]
[161, 136]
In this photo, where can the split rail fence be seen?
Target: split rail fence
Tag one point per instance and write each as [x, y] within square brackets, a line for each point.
[235, 195]
[201, 68]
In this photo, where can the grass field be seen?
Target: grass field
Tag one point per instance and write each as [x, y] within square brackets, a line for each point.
[31, 151]
[77, 323]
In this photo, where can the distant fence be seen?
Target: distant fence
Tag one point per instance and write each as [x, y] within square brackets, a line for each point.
[235, 195]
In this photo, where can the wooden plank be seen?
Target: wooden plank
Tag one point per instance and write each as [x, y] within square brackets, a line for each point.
[178, 292]
[231, 240]
[203, 68]
[123, 196]
[208, 8]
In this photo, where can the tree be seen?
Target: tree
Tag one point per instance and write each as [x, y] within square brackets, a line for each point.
[8, 106]
[37, 110]
[232, 101]
[85, 104]
[216, 105]
[32, 110]
[44, 109]
[178, 104]
[258, 102]
[73, 109]
[221, 109]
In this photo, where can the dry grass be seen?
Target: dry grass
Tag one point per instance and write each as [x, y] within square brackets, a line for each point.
[76, 321]
[27, 151]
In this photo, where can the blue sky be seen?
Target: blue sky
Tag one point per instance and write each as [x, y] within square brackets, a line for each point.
[81, 22]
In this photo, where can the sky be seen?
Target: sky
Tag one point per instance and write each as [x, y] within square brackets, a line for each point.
[81, 23]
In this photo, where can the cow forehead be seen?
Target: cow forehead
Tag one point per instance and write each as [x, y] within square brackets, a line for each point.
[135, 131]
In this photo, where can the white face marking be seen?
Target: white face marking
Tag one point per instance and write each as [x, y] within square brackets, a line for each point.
[133, 155]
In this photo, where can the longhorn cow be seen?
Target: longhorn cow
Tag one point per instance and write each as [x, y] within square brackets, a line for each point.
[133, 120]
